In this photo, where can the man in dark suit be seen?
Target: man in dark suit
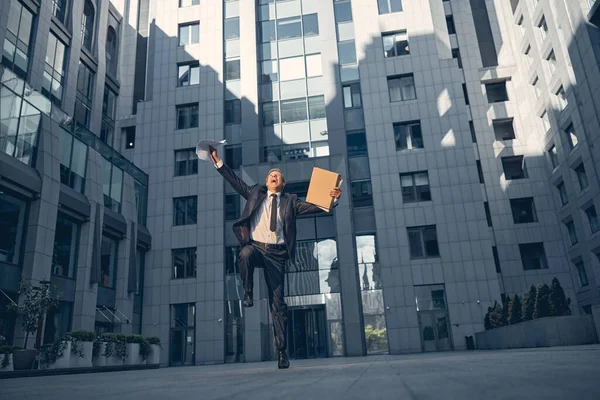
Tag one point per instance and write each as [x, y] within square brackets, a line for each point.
[268, 240]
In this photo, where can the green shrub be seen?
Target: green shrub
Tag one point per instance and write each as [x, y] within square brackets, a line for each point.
[154, 340]
[52, 351]
[529, 304]
[514, 314]
[6, 351]
[559, 304]
[116, 345]
[542, 302]
[82, 336]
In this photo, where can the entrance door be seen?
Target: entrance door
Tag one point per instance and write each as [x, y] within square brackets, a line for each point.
[435, 330]
[183, 334]
[307, 332]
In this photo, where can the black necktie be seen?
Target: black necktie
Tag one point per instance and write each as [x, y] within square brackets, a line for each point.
[273, 225]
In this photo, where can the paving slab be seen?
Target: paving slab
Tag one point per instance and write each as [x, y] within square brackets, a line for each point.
[549, 373]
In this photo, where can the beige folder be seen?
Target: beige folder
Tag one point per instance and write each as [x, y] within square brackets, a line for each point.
[321, 183]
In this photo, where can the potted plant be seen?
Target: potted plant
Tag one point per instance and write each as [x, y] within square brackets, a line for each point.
[138, 349]
[98, 349]
[6, 358]
[56, 354]
[155, 347]
[82, 343]
[35, 303]
[115, 348]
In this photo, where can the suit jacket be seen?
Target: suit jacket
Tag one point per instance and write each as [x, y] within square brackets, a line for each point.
[289, 208]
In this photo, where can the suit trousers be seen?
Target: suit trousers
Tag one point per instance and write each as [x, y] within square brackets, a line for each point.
[273, 263]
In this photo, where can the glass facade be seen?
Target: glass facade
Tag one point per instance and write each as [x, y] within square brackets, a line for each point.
[58, 321]
[73, 161]
[112, 185]
[183, 334]
[108, 262]
[12, 225]
[66, 246]
[15, 53]
[54, 70]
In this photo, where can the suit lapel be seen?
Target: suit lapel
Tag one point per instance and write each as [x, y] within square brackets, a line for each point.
[283, 206]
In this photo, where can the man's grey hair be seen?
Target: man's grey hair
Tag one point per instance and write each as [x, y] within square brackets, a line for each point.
[278, 170]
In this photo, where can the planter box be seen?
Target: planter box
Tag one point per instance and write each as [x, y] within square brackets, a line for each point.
[133, 354]
[100, 359]
[154, 356]
[63, 361]
[9, 367]
[571, 330]
[86, 360]
[24, 359]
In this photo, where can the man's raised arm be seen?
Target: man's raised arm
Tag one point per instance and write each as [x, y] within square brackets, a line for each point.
[236, 183]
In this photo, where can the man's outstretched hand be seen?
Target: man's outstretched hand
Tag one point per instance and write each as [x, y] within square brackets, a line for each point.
[335, 193]
[213, 154]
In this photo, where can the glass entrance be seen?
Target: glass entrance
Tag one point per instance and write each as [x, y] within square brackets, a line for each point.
[307, 332]
[434, 322]
[183, 334]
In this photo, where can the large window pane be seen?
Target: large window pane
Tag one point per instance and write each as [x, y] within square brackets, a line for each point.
[232, 70]
[267, 29]
[108, 261]
[232, 28]
[310, 24]
[270, 112]
[66, 242]
[293, 110]
[347, 52]
[288, 28]
[12, 226]
[269, 71]
[316, 107]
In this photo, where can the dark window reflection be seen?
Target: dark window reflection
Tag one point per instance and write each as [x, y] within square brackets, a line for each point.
[66, 243]
[108, 262]
[12, 228]
[58, 321]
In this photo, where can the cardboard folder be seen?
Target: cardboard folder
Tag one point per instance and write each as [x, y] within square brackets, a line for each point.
[321, 183]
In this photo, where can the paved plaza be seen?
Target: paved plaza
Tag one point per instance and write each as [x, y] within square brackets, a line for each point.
[556, 373]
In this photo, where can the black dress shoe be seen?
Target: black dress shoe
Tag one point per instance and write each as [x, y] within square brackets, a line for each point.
[248, 301]
[284, 361]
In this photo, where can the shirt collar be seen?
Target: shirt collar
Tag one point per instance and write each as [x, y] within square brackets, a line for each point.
[269, 193]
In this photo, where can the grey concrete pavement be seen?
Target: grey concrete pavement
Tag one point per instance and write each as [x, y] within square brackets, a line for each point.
[551, 373]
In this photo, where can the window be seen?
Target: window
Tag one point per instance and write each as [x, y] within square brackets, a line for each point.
[408, 135]
[479, 171]
[528, 56]
[520, 25]
[536, 87]
[109, 104]
[108, 262]
[465, 93]
[293, 110]
[232, 28]
[13, 227]
[422, 241]
[456, 55]
[352, 96]
[362, 194]
[562, 191]
[593, 219]
[543, 28]
[310, 24]
[583, 279]
[316, 107]
[267, 31]
[111, 51]
[184, 263]
[187, 3]
[342, 10]
[488, 214]
[66, 243]
[54, 70]
[15, 54]
[87, 25]
[112, 185]
[233, 156]
[232, 261]
[472, 129]
[73, 161]
[58, 321]
[140, 266]
[269, 71]
[129, 133]
[572, 232]
[551, 61]
[187, 116]
[571, 136]
[233, 111]
[496, 259]
[232, 207]
[402, 88]
[185, 210]
[356, 143]
[514, 167]
[59, 10]
[389, 6]
[553, 156]
[19, 123]
[289, 28]
[546, 121]
[140, 192]
[450, 25]
[581, 176]
[496, 92]
[189, 34]
[503, 129]
[347, 52]
[523, 210]
[188, 74]
[415, 187]
[232, 70]
[270, 113]
[562, 98]
[395, 44]
[186, 162]
[85, 89]
[533, 256]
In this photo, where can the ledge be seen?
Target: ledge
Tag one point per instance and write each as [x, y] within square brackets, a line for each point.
[71, 371]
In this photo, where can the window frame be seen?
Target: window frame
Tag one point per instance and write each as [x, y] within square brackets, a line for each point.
[190, 73]
[391, 6]
[193, 110]
[592, 217]
[394, 35]
[511, 161]
[416, 194]
[189, 255]
[191, 162]
[516, 207]
[401, 86]
[190, 214]
[543, 260]
[190, 36]
[74, 247]
[421, 231]
[405, 128]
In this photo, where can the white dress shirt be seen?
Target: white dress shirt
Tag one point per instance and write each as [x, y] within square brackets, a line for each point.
[260, 223]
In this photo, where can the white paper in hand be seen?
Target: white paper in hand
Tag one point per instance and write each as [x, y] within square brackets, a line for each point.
[202, 148]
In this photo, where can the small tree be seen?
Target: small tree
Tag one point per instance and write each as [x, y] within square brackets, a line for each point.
[559, 305]
[496, 316]
[37, 301]
[514, 314]
[542, 302]
[529, 304]
[486, 320]
[505, 304]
